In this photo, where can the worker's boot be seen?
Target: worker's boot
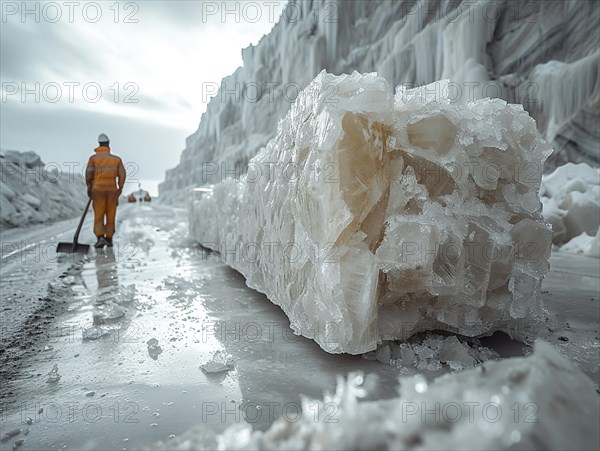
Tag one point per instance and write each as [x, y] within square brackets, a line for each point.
[109, 242]
[100, 243]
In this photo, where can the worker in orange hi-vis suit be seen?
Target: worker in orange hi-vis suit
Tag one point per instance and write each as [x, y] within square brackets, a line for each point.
[105, 177]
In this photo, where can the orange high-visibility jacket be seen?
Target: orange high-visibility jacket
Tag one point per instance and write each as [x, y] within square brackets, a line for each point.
[104, 169]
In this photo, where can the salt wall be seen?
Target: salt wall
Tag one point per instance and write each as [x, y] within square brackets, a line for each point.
[542, 54]
[372, 217]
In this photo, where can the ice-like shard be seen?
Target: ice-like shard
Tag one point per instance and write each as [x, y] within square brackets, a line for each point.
[372, 216]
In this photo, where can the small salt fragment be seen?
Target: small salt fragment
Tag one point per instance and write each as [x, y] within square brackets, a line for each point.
[383, 354]
[408, 355]
[53, 375]
[219, 362]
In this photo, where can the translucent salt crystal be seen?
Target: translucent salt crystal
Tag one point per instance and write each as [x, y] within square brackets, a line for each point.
[395, 350]
[434, 365]
[429, 207]
[424, 352]
[219, 362]
[422, 363]
[408, 355]
[454, 351]
[111, 310]
[485, 354]
[384, 354]
[53, 375]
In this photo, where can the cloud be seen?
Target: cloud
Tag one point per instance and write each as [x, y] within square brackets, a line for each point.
[161, 58]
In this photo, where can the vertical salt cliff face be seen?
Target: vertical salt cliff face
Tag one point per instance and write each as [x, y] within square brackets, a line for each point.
[542, 54]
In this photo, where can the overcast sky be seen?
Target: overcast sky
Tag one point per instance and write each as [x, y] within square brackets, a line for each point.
[133, 70]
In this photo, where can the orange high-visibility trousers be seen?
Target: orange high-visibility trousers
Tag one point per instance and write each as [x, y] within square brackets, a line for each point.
[105, 209]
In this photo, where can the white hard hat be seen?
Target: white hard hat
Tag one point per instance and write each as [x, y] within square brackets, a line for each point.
[103, 138]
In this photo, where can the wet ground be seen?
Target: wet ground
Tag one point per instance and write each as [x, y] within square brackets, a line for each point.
[128, 330]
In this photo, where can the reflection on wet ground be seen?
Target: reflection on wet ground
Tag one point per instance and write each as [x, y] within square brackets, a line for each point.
[140, 322]
[144, 317]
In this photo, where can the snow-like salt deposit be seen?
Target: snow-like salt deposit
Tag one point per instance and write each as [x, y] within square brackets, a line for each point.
[537, 402]
[571, 199]
[32, 192]
[373, 217]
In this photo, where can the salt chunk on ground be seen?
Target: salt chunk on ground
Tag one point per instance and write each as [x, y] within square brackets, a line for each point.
[219, 362]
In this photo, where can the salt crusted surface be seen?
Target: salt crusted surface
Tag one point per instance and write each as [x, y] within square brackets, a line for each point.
[371, 217]
[537, 402]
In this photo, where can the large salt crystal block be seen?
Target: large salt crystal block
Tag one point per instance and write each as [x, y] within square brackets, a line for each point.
[374, 216]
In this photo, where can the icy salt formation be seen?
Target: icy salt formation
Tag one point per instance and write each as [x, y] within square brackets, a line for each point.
[537, 402]
[220, 361]
[31, 192]
[571, 199]
[542, 54]
[431, 353]
[53, 375]
[584, 244]
[401, 214]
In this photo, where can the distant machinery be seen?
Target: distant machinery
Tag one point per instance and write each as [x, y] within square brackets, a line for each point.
[139, 196]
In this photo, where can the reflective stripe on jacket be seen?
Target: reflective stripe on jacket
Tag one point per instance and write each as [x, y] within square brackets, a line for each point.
[104, 170]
